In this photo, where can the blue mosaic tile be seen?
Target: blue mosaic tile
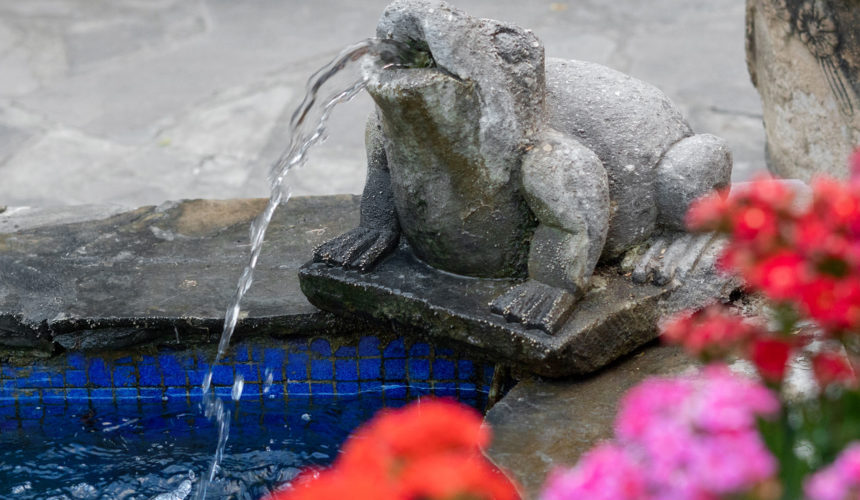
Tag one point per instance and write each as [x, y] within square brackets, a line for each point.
[395, 349]
[54, 396]
[321, 369]
[417, 389]
[123, 376]
[196, 377]
[321, 347]
[297, 366]
[76, 378]
[274, 357]
[126, 360]
[76, 394]
[241, 354]
[9, 425]
[223, 392]
[298, 389]
[76, 361]
[7, 411]
[99, 375]
[147, 360]
[35, 380]
[248, 372]
[346, 370]
[149, 375]
[322, 389]
[445, 389]
[347, 351]
[465, 369]
[128, 393]
[31, 396]
[368, 346]
[102, 394]
[394, 392]
[443, 369]
[251, 391]
[151, 392]
[419, 349]
[186, 361]
[222, 375]
[7, 371]
[419, 369]
[171, 370]
[275, 390]
[395, 369]
[30, 411]
[55, 410]
[347, 388]
[374, 386]
[370, 368]
[468, 388]
[7, 395]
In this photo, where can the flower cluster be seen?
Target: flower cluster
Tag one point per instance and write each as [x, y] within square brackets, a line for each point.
[840, 481]
[805, 256]
[680, 438]
[431, 450]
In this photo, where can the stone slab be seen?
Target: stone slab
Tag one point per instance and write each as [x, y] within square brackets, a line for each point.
[613, 319]
[161, 271]
[540, 425]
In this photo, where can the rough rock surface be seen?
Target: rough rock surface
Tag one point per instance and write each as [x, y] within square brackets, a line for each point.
[136, 276]
[804, 58]
[619, 314]
[540, 424]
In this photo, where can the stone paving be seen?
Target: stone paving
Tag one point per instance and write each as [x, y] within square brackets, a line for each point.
[135, 102]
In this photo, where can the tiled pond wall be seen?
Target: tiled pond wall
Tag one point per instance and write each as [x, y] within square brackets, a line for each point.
[394, 370]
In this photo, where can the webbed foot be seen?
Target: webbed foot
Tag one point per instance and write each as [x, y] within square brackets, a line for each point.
[360, 248]
[672, 257]
[535, 305]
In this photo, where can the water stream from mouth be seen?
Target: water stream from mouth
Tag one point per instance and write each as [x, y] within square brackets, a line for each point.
[339, 81]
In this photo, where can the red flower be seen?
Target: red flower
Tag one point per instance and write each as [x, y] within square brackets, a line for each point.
[709, 213]
[833, 368]
[430, 450]
[455, 476]
[780, 276]
[710, 333]
[770, 356]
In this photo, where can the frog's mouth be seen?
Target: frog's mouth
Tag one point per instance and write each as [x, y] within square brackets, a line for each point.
[417, 68]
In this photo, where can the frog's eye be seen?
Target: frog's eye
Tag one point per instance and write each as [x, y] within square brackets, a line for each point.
[515, 45]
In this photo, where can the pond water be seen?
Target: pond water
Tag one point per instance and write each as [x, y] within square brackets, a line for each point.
[129, 425]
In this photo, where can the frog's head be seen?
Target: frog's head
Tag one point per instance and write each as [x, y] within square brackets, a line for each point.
[483, 70]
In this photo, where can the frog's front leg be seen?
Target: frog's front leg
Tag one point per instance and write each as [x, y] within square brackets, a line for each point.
[566, 187]
[379, 230]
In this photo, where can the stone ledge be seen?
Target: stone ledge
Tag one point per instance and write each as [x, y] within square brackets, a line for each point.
[613, 319]
[540, 425]
[159, 272]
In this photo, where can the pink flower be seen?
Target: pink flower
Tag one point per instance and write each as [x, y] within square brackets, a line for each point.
[840, 481]
[607, 472]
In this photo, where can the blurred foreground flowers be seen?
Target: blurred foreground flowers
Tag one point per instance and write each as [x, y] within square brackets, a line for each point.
[717, 435]
[429, 450]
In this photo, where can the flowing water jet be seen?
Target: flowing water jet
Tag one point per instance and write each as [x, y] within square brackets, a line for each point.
[339, 81]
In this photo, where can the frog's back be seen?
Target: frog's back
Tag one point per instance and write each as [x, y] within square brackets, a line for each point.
[629, 124]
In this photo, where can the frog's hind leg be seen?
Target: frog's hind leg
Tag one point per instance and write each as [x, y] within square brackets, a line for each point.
[566, 187]
[692, 167]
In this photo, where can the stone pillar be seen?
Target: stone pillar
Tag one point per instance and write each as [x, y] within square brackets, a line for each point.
[804, 58]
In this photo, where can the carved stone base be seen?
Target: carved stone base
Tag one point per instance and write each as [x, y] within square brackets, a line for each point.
[615, 317]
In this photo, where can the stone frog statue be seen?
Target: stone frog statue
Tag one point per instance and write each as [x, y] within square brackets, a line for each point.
[493, 162]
